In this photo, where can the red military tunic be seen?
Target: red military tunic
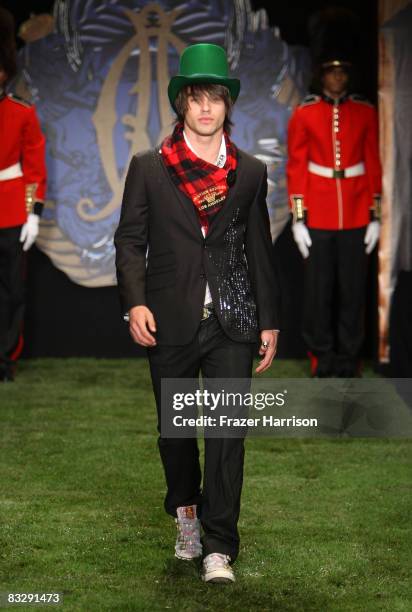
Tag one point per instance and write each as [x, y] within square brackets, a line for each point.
[22, 161]
[326, 140]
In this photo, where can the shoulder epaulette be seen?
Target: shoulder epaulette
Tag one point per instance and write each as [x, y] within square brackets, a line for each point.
[360, 99]
[311, 99]
[19, 100]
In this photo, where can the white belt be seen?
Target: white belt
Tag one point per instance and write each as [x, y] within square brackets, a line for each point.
[349, 172]
[11, 172]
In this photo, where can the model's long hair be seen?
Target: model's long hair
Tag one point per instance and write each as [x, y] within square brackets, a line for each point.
[197, 90]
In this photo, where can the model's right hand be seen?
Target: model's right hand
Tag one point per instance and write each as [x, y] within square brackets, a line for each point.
[141, 323]
[302, 238]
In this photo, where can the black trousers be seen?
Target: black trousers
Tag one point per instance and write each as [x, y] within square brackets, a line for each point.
[11, 292]
[335, 294]
[215, 355]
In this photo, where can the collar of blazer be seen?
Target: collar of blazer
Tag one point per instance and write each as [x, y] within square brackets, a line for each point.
[223, 216]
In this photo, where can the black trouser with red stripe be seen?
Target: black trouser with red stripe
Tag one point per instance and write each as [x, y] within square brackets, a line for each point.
[11, 293]
[335, 294]
[216, 356]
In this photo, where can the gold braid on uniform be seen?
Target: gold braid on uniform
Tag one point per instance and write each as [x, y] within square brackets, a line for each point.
[376, 210]
[298, 208]
[30, 191]
[33, 204]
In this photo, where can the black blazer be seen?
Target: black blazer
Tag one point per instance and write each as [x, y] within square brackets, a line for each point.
[235, 258]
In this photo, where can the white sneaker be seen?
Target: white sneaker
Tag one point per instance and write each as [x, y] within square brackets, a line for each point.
[188, 545]
[216, 568]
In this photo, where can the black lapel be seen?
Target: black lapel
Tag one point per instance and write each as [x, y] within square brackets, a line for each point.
[222, 218]
[185, 202]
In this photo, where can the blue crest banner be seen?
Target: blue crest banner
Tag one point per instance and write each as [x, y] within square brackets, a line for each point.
[99, 81]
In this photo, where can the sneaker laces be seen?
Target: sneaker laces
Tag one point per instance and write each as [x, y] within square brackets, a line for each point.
[216, 560]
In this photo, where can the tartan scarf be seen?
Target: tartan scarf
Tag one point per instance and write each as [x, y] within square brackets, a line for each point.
[204, 183]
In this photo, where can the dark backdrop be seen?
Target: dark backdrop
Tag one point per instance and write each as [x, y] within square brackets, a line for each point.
[65, 319]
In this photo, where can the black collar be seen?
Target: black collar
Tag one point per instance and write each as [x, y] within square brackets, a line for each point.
[2, 93]
[330, 100]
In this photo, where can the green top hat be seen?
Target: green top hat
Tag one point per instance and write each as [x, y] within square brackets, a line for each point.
[203, 63]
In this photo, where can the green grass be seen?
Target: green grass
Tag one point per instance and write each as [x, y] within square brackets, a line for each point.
[325, 524]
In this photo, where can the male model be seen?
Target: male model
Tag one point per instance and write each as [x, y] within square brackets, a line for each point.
[206, 293]
[22, 191]
[334, 183]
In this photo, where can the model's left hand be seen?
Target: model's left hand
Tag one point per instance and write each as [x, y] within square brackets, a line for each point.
[271, 337]
[29, 231]
[372, 236]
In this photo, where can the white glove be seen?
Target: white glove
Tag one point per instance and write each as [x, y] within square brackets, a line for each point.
[372, 236]
[29, 231]
[302, 238]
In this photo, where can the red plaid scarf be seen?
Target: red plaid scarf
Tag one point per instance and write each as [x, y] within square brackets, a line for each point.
[204, 183]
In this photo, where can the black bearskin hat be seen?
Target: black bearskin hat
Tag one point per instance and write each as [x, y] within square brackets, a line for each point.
[8, 57]
[334, 35]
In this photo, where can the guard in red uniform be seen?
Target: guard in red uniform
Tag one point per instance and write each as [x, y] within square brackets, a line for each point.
[334, 185]
[22, 192]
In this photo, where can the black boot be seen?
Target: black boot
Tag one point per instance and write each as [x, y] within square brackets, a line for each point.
[6, 374]
[345, 367]
[324, 368]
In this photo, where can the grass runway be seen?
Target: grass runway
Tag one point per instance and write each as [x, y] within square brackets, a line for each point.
[325, 524]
